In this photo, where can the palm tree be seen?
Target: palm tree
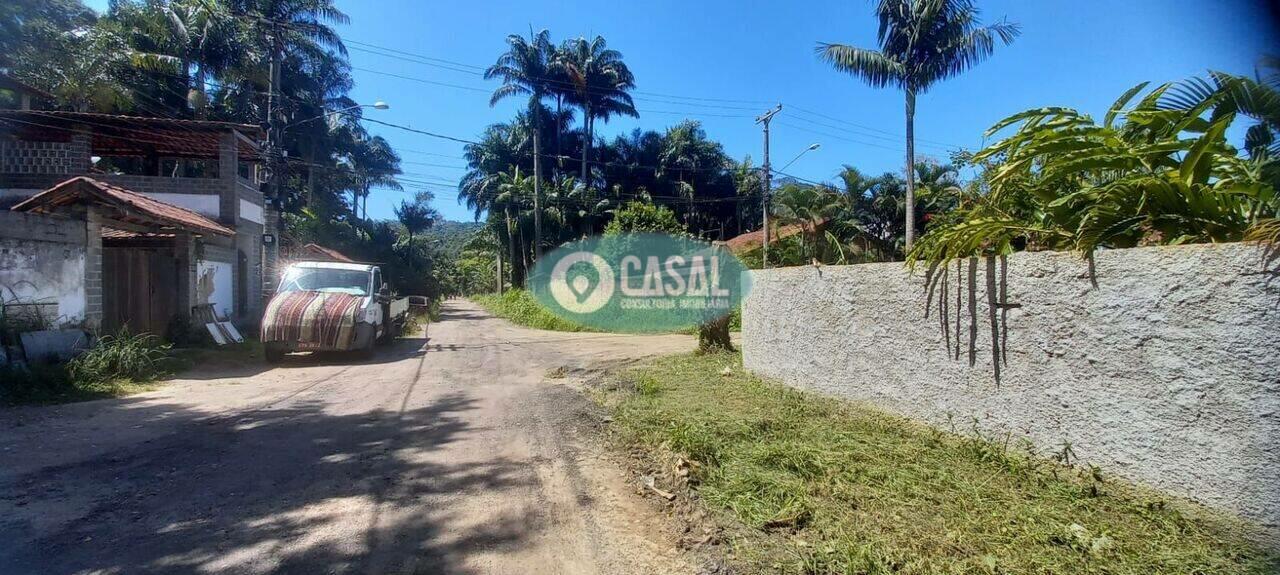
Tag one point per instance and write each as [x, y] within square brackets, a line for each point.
[180, 35]
[524, 70]
[599, 81]
[373, 164]
[922, 42]
[808, 207]
[417, 216]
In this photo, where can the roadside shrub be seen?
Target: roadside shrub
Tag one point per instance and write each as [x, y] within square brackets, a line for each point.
[120, 356]
[519, 307]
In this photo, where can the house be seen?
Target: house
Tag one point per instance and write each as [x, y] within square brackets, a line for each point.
[122, 220]
[318, 253]
[18, 95]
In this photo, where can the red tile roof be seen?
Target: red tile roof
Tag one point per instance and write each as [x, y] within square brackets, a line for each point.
[131, 204]
[753, 240]
[117, 135]
[322, 252]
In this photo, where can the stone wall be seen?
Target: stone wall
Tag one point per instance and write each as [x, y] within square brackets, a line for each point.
[42, 269]
[1161, 366]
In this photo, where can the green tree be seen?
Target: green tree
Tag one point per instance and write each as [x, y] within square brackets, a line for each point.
[1062, 181]
[599, 81]
[922, 42]
[809, 207]
[525, 69]
[417, 217]
[644, 217]
[190, 40]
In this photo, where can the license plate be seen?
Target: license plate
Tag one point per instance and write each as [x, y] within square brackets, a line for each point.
[308, 345]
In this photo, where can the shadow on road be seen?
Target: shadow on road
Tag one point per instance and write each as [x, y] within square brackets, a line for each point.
[401, 348]
[294, 490]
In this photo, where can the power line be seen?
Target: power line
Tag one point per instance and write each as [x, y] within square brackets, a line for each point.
[886, 132]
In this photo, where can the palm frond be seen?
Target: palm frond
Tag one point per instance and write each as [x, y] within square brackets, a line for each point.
[874, 67]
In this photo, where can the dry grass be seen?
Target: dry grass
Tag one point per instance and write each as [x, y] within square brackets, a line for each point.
[824, 486]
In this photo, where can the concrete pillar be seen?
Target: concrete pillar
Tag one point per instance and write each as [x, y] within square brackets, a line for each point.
[228, 165]
[184, 251]
[79, 160]
[93, 270]
[270, 252]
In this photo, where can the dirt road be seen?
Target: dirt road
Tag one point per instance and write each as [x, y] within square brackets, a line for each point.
[451, 453]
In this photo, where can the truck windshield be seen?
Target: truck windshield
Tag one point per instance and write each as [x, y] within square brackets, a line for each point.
[354, 282]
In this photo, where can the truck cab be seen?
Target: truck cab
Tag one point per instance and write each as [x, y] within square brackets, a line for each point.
[329, 306]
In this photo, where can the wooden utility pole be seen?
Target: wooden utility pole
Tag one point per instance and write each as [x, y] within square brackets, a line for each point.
[766, 182]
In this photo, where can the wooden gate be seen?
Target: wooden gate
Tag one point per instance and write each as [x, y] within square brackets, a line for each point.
[139, 289]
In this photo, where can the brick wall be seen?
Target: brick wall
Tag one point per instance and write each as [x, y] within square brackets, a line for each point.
[165, 185]
[36, 157]
[93, 270]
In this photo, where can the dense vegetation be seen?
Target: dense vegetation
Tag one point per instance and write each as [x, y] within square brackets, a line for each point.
[809, 484]
[1160, 171]
[201, 59]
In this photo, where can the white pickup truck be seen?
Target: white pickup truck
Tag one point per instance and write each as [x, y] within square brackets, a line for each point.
[331, 306]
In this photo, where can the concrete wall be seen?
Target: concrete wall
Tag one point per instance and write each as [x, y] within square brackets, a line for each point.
[42, 262]
[1167, 371]
[214, 285]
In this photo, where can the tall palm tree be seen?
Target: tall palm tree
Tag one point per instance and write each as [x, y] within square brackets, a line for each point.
[189, 39]
[922, 42]
[373, 164]
[416, 216]
[599, 81]
[524, 70]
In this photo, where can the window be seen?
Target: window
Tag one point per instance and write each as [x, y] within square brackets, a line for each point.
[354, 282]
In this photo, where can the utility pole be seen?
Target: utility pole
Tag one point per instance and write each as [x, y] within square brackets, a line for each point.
[271, 251]
[766, 182]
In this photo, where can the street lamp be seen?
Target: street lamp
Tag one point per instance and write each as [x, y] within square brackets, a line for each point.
[811, 148]
[379, 105]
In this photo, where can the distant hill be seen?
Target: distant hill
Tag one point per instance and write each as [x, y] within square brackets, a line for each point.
[453, 235]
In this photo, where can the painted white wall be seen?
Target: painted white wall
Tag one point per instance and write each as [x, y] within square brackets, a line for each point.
[44, 273]
[214, 285]
[203, 204]
[251, 211]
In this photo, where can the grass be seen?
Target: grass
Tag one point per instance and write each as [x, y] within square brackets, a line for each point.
[118, 365]
[810, 484]
[519, 307]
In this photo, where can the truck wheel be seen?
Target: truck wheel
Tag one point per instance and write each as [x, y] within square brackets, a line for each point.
[272, 353]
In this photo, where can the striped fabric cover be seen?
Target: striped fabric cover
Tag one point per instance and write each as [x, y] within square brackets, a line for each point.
[327, 320]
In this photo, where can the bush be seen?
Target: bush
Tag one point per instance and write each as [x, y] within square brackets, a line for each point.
[120, 356]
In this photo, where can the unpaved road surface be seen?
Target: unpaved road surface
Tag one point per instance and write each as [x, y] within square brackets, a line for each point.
[451, 453]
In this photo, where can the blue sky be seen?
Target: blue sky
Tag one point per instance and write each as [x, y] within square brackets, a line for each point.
[1081, 54]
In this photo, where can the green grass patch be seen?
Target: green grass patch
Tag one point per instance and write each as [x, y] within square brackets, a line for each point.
[519, 307]
[118, 365]
[815, 485]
